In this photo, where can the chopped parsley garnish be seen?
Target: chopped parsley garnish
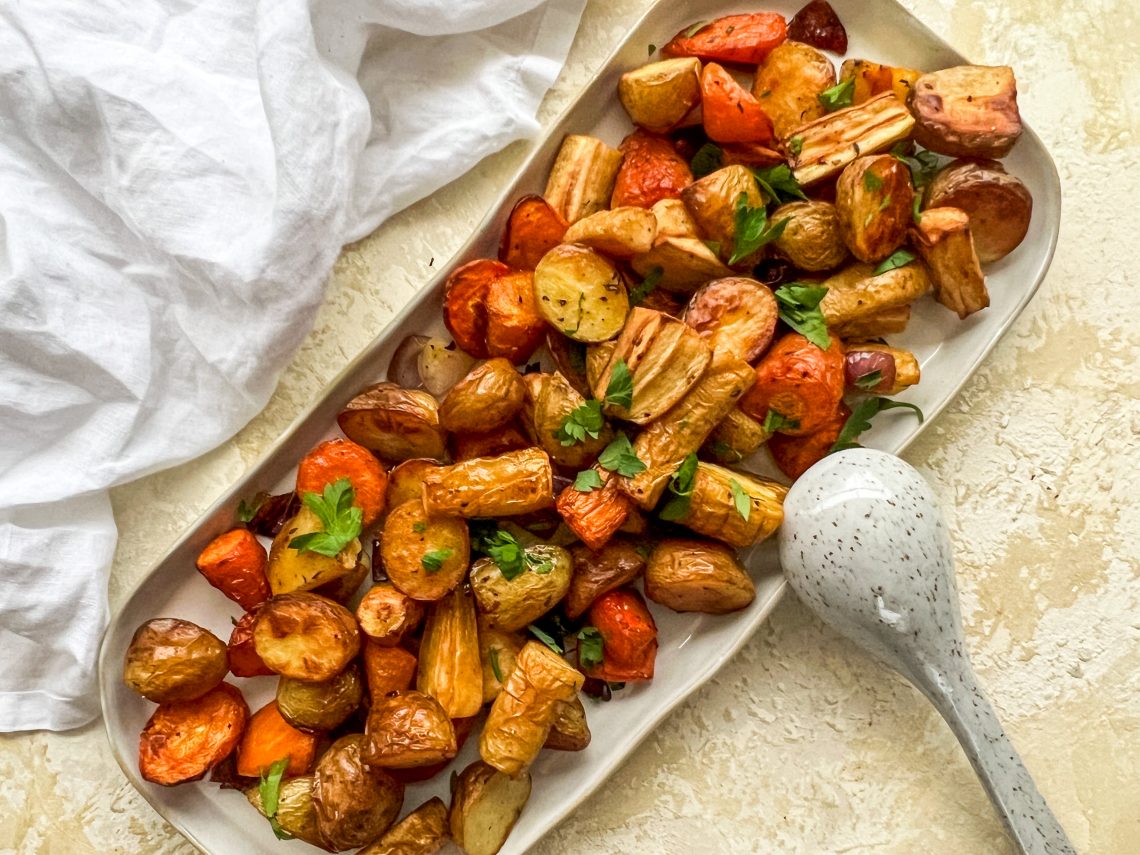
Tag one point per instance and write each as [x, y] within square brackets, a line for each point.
[923, 164]
[708, 158]
[774, 421]
[419, 527]
[588, 481]
[869, 380]
[590, 647]
[269, 788]
[620, 457]
[581, 422]
[838, 96]
[493, 655]
[648, 285]
[681, 489]
[898, 258]
[433, 560]
[752, 229]
[740, 499]
[340, 519]
[860, 420]
[871, 181]
[796, 145]
[619, 392]
[799, 309]
[545, 638]
[507, 553]
[248, 510]
[779, 183]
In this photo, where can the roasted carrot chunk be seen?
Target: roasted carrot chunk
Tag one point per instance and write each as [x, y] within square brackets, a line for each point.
[800, 384]
[533, 229]
[729, 112]
[342, 458]
[796, 454]
[629, 637]
[465, 303]
[387, 669]
[235, 564]
[515, 329]
[268, 738]
[744, 39]
[651, 170]
[240, 652]
[597, 515]
[185, 739]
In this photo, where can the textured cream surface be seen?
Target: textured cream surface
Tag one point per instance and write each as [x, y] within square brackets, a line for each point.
[801, 744]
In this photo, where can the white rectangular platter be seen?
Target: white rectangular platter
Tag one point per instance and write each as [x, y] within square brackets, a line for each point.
[692, 648]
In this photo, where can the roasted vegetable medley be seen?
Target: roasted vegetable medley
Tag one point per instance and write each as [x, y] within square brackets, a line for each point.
[464, 562]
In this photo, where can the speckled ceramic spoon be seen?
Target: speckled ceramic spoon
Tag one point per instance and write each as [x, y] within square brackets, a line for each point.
[864, 545]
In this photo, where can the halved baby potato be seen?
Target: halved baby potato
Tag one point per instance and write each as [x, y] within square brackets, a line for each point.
[998, 204]
[323, 705]
[551, 399]
[512, 604]
[425, 555]
[618, 232]
[658, 95]
[944, 242]
[395, 423]
[617, 563]
[674, 219]
[874, 199]
[857, 293]
[570, 731]
[306, 637]
[406, 730]
[683, 263]
[811, 240]
[712, 201]
[485, 805]
[292, 569]
[580, 293]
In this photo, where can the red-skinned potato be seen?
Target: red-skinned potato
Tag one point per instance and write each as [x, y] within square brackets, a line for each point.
[617, 563]
[817, 24]
[898, 368]
[396, 424]
[485, 804]
[305, 636]
[967, 111]
[533, 229]
[183, 740]
[800, 382]
[737, 315]
[697, 576]
[174, 660]
[235, 564]
[998, 204]
[487, 398]
[651, 170]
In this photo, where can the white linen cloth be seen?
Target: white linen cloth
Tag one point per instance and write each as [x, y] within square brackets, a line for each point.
[176, 179]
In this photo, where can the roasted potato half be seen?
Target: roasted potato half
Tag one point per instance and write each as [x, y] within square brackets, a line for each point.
[812, 239]
[580, 293]
[487, 398]
[422, 832]
[570, 731]
[485, 805]
[396, 424]
[424, 555]
[408, 729]
[582, 178]
[618, 233]
[697, 576]
[684, 262]
[511, 604]
[450, 668]
[518, 482]
[551, 400]
[292, 569]
[874, 200]
[355, 803]
[967, 111]
[296, 813]
[737, 315]
[320, 706]
[998, 204]
[174, 660]
[712, 201]
[944, 242]
[857, 293]
[658, 95]
[788, 84]
[305, 636]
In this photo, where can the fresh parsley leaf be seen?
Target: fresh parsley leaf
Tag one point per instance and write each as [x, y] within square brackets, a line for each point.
[722, 451]
[588, 481]
[799, 309]
[774, 421]
[869, 380]
[916, 209]
[838, 96]
[779, 183]
[248, 510]
[433, 560]
[795, 146]
[923, 164]
[652, 49]
[709, 158]
[538, 563]
[493, 655]
[713, 245]
[590, 647]
[691, 31]
[752, 229]
[898, 258]
[269, 788]
[619, 457]
[886, 201]
[545, 638]
[681, 487]
[740, 499]
[340, 518]
[581, 314]
[871, 181]
[860, 420]
[619, 392]
[419, 527]
[581, 422]
[506, 552]
[648, 285]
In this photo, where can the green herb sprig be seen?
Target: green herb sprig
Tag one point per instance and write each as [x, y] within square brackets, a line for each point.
[860, 420]
[681, 490]
[340, 518]
[799, 308]
[841, 95]
[269, 788]
[753, 229]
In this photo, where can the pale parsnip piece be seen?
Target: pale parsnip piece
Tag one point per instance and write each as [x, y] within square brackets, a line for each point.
[712, 507]
[657, 96]
[597, 358]
[550, 399]
[674, 219]
[874, 325]
[685, 263]
[485, 805]
[788, 84]
[580, 293]
[449, 666]
[943, 240]
[967, 111]
[618, 233]
[857, 293]
[582, 178]
[395, 423]
[874, 200]
[736, 437]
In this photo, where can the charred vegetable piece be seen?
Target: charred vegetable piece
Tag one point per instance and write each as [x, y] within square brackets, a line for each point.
[743, 39]
[387, 669]
[788, 84]
[533, 229]
[354, 802]
[240, 652]
[269, 738]
[651, 170]
[425, 555]
[408, 729]
[582, 178]
[512, 594]
[305, 636]
[998, 204]
[944, 242]
[967, 111]
[794, 455]
[817, 24]
[799, 383]
[450, 669]
[422, 832]
[697, 576]
[235, 564]
[486, 399]
[386, 614]
[320, 706]
[729, 112]
[597, 572]
[183, 740]
[657, 96]
[629, 637]
[485, 805]
[875, 202]
[396, 424]
[515, 483]
[736, 315]
[342, 458]
[174, 660]
[812, 239]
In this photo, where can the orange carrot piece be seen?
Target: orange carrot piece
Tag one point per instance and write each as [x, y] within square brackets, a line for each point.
[465, 303]
[743, 39]
[800, 382]
[651, 170]
[342, 458]
[387, 669]
[185, 739]
[729, 112]
[533, 229]
[794, 455]
[235, 564]
[629, 637]
[240, 653]
[268, 738]
[515, 329]
[594, 516]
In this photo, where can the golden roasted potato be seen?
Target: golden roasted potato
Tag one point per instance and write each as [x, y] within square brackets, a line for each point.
[406, 481]
[943, 240]
[874, 325]
[306, 637]
[355, 803]
[897, 368]
[874, 200]
[498, 651]
[441, 364]
[570, 359]
[582, 178]
[736, 437]
[386, 614]
[712, 201]
[450, 669]
[522, 715]
[856, 293]
[174, 660]
[998, 204]
[873, 79]
[485, 805]
[597, 358]
[822, 148]
[665, 358]
[425, 555]
[618, 233]
[551, 399]
[697, 576]
[517, 482]
[406, 730]
[422, 832]
[580, 293]
[658, 95]
[811, 240]
[296, 813]
[397, 424]
[674, 219]
[967, 111]
[736, 314]
[668, 440]
[788, 83]
[487, 398]
[713, 506]
[684, 262]
[320, 706]
[301, 570]
[570, 731]
[617, 563]
[511, 604]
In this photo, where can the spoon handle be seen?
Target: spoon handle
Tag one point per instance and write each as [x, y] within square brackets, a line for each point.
[961, 701]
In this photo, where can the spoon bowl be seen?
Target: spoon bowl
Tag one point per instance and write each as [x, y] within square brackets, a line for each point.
[865, 547]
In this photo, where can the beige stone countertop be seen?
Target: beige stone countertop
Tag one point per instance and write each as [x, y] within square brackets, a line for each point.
[801, 744]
